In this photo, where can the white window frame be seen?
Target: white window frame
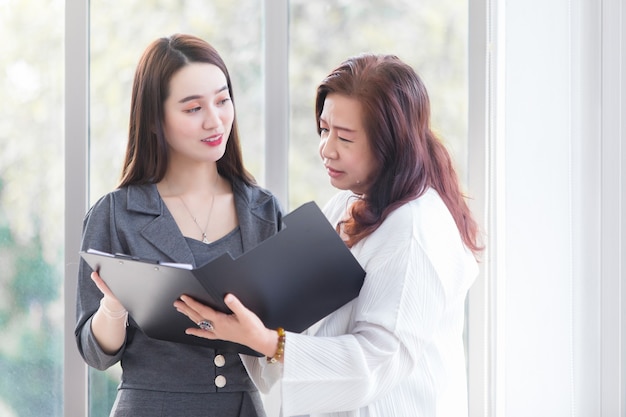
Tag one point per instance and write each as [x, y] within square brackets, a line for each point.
[75, 382]
[596, 48]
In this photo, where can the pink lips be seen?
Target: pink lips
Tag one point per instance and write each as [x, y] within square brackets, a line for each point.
[332, 172]
[215, 140]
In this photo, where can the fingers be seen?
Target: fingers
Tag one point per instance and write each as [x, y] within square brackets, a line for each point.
[233, 303]
[104, 289]
[113, 303]
[195, 311]
[196, 331]
[199, 314]
[192, 303]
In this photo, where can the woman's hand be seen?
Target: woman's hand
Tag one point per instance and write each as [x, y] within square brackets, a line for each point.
[110, 320]
[110, 301]
[243, 326]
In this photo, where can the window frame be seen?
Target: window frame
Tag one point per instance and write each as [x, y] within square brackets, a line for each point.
[76, 89]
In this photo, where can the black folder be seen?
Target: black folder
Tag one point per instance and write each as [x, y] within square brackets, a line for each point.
[291, 280]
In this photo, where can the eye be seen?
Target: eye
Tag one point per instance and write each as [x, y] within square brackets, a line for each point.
[223, 101]
[323, 132]
[193, 109]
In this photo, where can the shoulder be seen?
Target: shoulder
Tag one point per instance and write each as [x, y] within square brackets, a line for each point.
[254, 194]
[424, 222]
[425, 214]
[257, 200]
[435, 232]
[336, 207]
[425, 219]
[106, 202]
[133, 198]
[424, 229]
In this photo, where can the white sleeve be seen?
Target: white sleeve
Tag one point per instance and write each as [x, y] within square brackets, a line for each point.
[263, 374]
[396, 314]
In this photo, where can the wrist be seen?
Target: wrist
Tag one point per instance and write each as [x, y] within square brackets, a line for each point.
[113, 314]
[111, 305]
[279, 346]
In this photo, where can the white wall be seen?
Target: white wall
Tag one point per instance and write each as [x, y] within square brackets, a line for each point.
[538, 194]
[553, 333]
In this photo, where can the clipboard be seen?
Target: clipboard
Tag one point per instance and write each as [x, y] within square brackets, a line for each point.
[292, 280]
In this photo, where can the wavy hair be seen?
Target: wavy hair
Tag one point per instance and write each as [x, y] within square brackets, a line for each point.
[147, 152]
[396, 118]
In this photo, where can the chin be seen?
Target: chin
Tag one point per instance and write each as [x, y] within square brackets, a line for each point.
[339, 185]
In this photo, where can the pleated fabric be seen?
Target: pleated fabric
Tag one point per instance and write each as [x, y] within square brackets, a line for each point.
[396, 350]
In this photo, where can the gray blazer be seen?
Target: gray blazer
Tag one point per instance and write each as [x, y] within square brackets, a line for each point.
[134, 220]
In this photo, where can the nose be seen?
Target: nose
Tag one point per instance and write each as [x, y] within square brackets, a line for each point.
[211, 119]
[327, 148]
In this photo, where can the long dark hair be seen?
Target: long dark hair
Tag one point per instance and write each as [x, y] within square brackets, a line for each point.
[147, 152]
[396, 118]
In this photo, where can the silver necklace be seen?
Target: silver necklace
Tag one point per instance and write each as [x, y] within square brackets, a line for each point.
[208, 220]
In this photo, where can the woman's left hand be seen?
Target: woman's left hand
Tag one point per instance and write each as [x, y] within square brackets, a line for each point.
[242, 326]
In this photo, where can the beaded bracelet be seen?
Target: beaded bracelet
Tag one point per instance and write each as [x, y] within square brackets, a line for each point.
[280, 348]
[114, 315]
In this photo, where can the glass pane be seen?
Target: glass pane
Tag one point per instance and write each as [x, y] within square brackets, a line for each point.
[430, 35]
[119, 36]
[31, 208]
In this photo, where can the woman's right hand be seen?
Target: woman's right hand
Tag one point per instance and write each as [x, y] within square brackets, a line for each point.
[110, 320]
[110, 301]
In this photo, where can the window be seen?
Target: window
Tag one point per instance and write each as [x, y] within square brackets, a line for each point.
[319, 35]
[433, 40]
[430, 35]
[118, 37]
[31, 208]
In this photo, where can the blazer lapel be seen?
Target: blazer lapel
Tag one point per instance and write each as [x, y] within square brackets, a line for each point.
[254, 227]
[162, 232]
[165, 235]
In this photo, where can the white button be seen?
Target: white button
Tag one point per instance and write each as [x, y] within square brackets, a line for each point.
[220, 381]
[219, 360]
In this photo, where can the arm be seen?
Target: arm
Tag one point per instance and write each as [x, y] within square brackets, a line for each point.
[243, 326]
[110, 320]
[99, 336]
[395, 319]
[365, 349]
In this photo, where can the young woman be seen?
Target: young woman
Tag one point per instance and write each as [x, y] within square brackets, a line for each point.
[397, 349]
[185, 197]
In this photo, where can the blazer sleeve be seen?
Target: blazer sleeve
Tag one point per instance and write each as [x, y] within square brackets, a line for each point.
[98, 233]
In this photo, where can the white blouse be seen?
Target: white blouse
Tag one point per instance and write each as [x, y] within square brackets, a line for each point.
[397, 349]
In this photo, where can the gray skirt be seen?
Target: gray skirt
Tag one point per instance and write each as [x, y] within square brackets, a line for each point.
[143, 403]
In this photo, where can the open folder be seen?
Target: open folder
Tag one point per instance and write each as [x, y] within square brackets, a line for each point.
[291, 280]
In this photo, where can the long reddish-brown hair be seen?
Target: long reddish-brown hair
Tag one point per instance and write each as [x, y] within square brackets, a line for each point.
[396, 118]
[147, 152]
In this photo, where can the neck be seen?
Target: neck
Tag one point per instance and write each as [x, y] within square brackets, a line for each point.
[190, 181]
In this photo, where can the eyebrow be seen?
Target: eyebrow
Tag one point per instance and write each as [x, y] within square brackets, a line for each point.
[346, 129]
[197, 96]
